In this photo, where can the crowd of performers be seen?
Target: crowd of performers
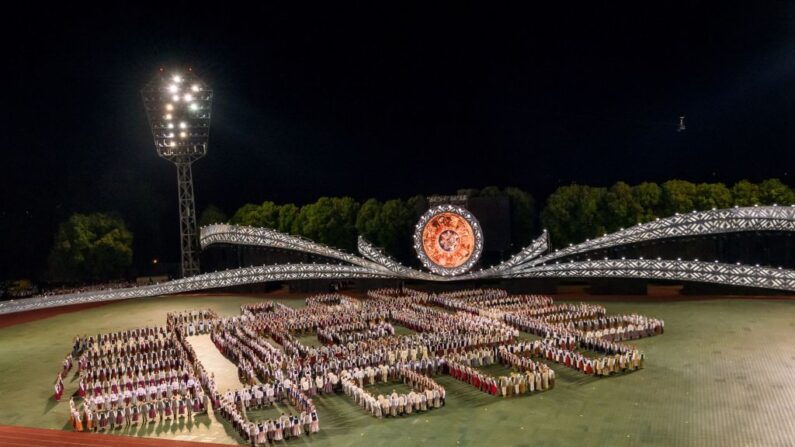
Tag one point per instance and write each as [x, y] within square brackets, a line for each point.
[192, 322]
[236, 405]
[425, 393]
[526, 376]
[133, 377]
[148, 374]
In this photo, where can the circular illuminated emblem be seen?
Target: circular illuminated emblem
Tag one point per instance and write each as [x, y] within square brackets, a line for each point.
[448, 240]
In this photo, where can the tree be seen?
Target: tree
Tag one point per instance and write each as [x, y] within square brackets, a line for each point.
[331, 221]
[745, 193]
[712, 195]
[91, 247]
[523, 229]
[212, 215]
[418, 204]
[265, 215]
[773, 191]
[490, 191]
[647, 195]
[288, 214]
[469, 192]
[395, 233]
[572, 214]
[621, 207]
[368, 220]
[678, 196]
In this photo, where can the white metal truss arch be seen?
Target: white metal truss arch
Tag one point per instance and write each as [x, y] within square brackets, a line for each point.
[532, 251]
[729, 220]
[516, 262]
[266, 237]
[697, 271]
[376, 264]
[377, 256]
[205, 281]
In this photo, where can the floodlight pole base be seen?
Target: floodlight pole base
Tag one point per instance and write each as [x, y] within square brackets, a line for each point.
[188, 233]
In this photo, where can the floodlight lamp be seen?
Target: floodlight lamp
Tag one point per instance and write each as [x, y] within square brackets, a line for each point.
[175, 98]
[188, 97]
[183, 134]
[169, 107]
[168, 116]
[177, 78]
[194, 107]
[195, 87]
[173, 88]
[182, 125]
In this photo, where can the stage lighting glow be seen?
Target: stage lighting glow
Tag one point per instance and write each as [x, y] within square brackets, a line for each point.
[448, 240]
[180, 126]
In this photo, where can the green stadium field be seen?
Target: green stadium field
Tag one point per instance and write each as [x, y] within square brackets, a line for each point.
[723, 374]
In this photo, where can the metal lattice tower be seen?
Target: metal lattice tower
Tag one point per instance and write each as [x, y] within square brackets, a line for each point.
[178, 109]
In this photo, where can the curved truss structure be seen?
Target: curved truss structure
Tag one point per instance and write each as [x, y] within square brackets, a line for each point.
[517, 261]
[729, 220]
[266, 237]
[205, 281]
[530, 252]
[377, 256]
[526, 264]
[698, 271]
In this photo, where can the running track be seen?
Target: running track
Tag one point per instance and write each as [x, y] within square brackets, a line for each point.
[40, 437]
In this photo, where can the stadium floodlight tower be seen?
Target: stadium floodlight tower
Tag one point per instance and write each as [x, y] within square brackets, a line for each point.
[178, 107]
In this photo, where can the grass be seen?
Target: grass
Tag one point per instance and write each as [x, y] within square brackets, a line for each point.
[402, 330]
[309, 340]
[721, 375]
[271, 412]
[386, 388]
[496, 370]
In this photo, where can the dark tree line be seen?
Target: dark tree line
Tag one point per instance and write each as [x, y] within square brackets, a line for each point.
[91, 247]
[99, 246]
[575, 213]
[338, 221]
[572, 213]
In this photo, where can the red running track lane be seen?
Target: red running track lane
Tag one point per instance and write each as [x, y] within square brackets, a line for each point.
[15, 318]
[12, 319]
[41, 437]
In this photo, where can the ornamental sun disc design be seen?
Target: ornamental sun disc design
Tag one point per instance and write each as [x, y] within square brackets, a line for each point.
[448, 240]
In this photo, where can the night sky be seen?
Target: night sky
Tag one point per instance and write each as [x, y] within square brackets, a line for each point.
[383, 102]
